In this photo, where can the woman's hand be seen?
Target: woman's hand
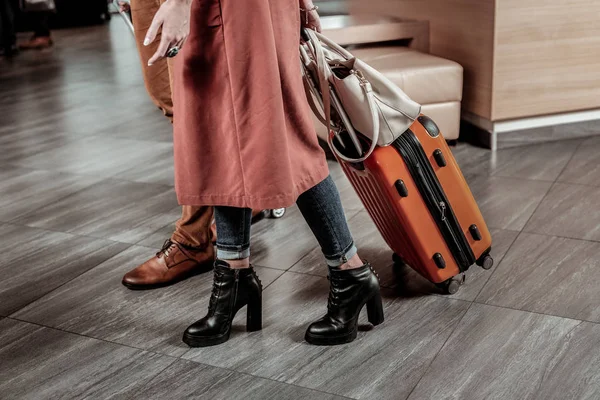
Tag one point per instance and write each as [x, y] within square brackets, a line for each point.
[124, 6]
[174, 18]
[310, 19]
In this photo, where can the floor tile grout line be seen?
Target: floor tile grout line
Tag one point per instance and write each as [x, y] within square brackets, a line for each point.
[81, 235]
[497, 266]
[62, 198]
[535, 312]
[91, 337]
[260, 377]
[274, 280]
[322, 277]
[81, 175]
[355, 213]
[263, 377]
[483, 175]
[576, 148]
[156, 231]
[576, 184]
[301, 258]
[64, 233]
[66, 282]
[234, 370]
[518, 309]
[153, 377]
[440, 350]
[12, 317]
[532, 232]
[288, 270]
[504, 229]
[548, 191]
[527, 222]
[568, 162]
[495, 175]
[81, 135]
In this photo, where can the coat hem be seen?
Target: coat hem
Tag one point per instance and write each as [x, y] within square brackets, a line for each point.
[255, 202]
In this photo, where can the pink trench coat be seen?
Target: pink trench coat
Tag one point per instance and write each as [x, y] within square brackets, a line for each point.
[243, 132]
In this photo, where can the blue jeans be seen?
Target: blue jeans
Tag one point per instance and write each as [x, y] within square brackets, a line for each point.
[321, 208]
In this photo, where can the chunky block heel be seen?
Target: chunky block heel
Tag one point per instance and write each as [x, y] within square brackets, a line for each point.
[254, 315]
[233, 289]
[350, 291]
[375, 310]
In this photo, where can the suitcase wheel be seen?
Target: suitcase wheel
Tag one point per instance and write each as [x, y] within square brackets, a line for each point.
[486, 262]
[399, 261]
[277, 213]
[452, 285]
[399, 265]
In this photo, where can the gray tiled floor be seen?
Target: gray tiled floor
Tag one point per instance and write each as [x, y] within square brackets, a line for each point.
[86, 193]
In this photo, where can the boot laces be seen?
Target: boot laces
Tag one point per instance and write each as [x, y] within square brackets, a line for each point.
[333, 303]
[167, 248]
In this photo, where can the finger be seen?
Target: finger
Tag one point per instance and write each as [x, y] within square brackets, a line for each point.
[164, 46]
[180, 44]
[316, 21]
[157, 22]
[181, 41]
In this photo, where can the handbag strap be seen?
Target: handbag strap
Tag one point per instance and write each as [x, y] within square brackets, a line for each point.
[324, 72]
[311, 101]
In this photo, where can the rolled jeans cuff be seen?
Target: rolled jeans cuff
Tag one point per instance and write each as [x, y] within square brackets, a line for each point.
[232, 252]
[341, 258]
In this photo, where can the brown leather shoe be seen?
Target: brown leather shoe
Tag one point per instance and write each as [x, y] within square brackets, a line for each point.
[172, 264]
[37, 43]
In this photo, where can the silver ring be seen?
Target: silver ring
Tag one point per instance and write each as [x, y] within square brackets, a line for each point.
[173, 51]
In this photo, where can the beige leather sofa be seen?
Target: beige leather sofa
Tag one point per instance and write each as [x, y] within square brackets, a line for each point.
[434, 82]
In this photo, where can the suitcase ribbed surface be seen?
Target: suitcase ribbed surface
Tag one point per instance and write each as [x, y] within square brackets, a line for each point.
[427, 219]
[378, 205]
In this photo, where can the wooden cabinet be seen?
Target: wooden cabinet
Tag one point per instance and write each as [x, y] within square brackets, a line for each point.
[522, 58]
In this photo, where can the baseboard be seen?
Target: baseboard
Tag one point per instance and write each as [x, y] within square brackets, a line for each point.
[474, 134]
[526, 131]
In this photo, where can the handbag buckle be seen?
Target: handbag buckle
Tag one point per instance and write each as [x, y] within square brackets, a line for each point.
[362, 80]
[360, 76]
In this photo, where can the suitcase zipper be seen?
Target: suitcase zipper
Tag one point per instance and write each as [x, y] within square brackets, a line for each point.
[432, 192]
[443, 208]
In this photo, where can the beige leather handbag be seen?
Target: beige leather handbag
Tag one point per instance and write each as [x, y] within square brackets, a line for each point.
[373, 105]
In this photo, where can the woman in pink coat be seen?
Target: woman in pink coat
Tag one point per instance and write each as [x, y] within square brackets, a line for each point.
[245, 140]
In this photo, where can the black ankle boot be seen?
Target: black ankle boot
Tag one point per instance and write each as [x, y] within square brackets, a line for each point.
[349, 291]
[232, 290]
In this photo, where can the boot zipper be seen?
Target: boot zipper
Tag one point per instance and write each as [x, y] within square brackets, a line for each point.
[236, 285]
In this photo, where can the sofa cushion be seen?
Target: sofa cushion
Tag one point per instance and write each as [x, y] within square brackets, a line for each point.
[425, 78]
[446, 116]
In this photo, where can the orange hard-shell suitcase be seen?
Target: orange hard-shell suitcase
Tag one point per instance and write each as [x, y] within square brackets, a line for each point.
[417, 196]
[413, 188]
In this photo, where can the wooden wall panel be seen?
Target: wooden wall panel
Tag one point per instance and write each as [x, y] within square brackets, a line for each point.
[460, 30]
[547, 57]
